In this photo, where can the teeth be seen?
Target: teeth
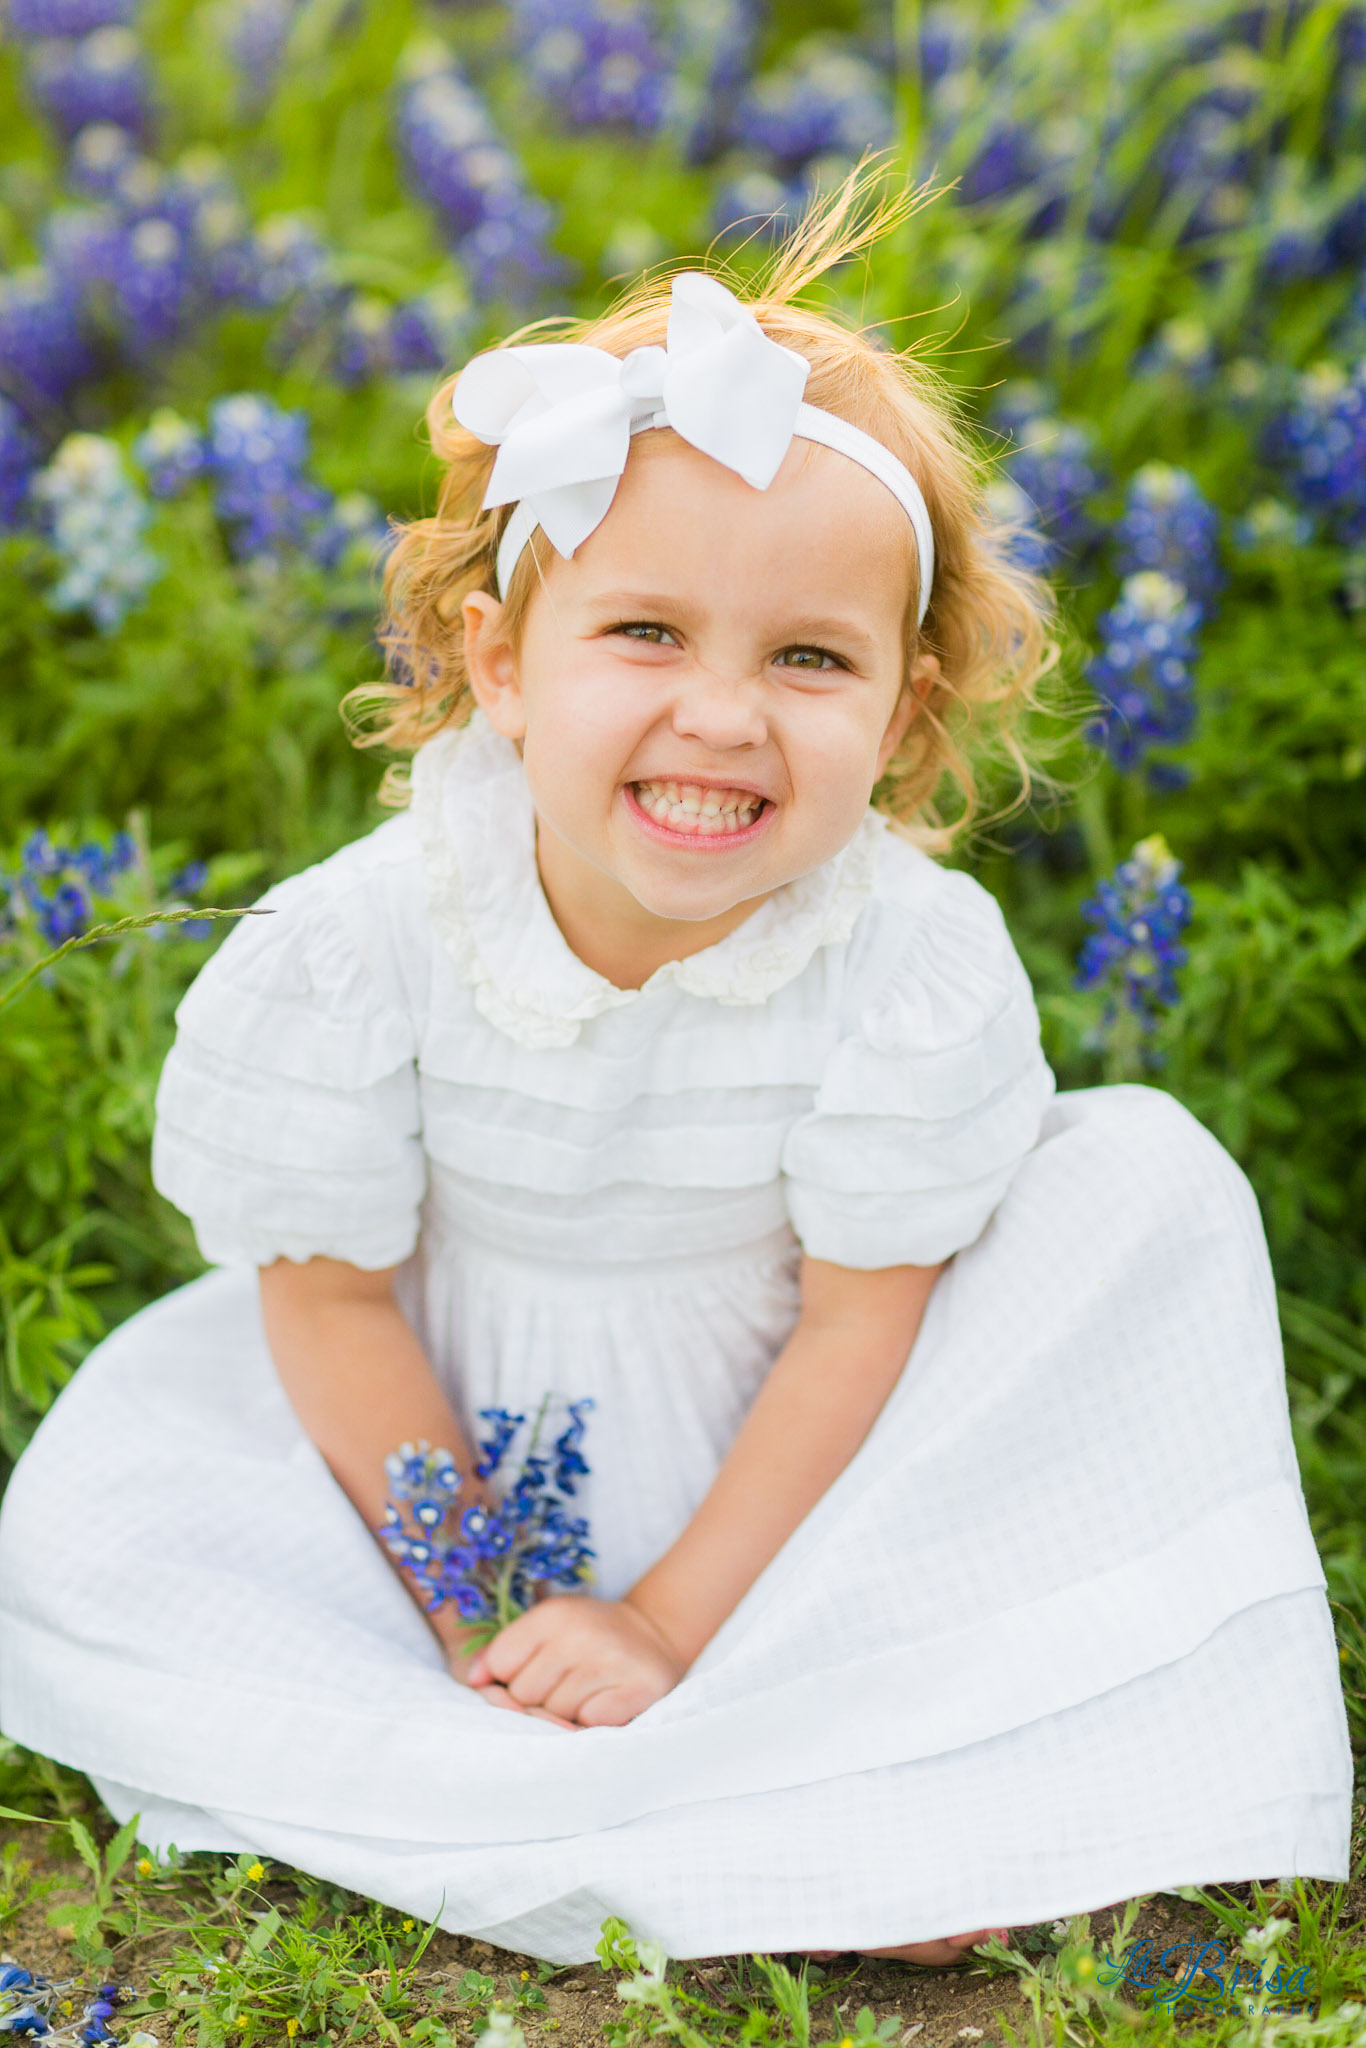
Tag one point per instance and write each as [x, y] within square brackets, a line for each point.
[689, 807]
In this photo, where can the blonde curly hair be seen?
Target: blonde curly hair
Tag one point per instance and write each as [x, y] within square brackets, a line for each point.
[989, 619]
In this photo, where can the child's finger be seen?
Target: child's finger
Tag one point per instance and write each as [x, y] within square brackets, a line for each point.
[504, 1657]
[499, 1696]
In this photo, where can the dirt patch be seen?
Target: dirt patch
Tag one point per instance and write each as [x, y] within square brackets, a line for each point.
[958, 2007]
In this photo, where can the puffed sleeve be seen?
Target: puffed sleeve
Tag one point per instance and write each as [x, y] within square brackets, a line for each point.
[929, 1103]
[287, 1116]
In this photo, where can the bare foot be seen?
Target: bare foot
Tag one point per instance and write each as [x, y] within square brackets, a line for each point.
[932, 1954]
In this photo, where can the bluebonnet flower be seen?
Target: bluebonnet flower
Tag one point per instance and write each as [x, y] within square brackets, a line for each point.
[258, 33]
[1135, 948]
[18, 460]
[99, 153]
[507, 256]
[1013, 518]
[1319, 445]
[428, 332]
[360, 350]
[1182, 347]
[29, 2005]
[715, 41]
[58, 885]
[1271, 523]
[170, 453]
[44, 18]
[491, 1564]
[288, 257]
[447, 140]
[596, 62]
[823, 98]
[1168, 525]
[1054, 465]
[1144, 673]
[98, 77]
[353, 531]
[97, 517]
[454, 159]
[257, 457]
[758, 202]
[44, 349]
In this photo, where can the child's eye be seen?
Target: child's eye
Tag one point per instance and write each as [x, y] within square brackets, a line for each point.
[813, 659]
[647, 630]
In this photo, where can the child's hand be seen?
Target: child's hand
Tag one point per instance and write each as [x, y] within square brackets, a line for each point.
[590, 1663]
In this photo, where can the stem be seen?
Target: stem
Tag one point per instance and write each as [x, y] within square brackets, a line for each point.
[111, 931]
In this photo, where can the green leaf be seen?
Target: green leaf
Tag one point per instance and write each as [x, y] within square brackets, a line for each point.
[116, 1855]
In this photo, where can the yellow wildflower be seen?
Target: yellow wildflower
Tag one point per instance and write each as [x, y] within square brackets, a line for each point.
[256, 1873]
[145, 1866]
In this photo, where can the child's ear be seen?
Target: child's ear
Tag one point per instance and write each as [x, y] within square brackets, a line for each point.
[492, 665]
[923, 675]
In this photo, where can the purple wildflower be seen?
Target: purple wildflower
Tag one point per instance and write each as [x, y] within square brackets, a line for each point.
[97, 517]
[257, 457]
[1144, 673]
[490, 1566]
[1135, 949]
[1167, 525]
[43, 347]
[758, 203]
[598, 65]
[98, 77]
[823, 98]
[1055, 466]
[47, 18]
[1319, 446]
[18, 459]
[428, 332]
[170, 453]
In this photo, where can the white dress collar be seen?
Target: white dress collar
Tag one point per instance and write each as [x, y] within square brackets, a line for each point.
[477, 833]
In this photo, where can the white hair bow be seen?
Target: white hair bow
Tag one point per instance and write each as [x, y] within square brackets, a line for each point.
[562, 414]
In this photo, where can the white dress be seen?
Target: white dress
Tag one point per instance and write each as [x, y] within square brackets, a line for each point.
[1059, 1633]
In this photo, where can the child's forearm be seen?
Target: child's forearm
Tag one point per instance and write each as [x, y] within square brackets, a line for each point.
[826, 1389]
[360, 1384]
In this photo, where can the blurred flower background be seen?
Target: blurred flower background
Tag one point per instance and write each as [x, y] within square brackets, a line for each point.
[241, 239]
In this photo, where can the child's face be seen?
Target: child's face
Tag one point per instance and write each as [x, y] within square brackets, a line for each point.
[707, 691]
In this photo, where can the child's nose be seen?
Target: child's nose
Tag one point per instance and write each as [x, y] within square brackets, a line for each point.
[719, 710]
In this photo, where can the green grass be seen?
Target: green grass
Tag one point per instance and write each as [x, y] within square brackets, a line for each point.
[235, 1949]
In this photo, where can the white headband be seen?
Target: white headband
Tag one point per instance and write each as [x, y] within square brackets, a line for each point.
[562, 414]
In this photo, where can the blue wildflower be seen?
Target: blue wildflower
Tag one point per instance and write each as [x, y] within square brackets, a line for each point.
[170, 453]
[497, 1556]
[824, 98]
[1144, 673]
[1135, 950]
[97, 517]
[758, 203]
[428, 332]
[45, 18]
[29, 2004]
[1270, 523]
[716, 41]
[505, 1426]
[1168, 525]
[352, 534]
[1014, 521]
[98, 77]
[599, 65]
[44, 351]
[18, 459]
[1054, 464]
[257, 457]
[1319, 446]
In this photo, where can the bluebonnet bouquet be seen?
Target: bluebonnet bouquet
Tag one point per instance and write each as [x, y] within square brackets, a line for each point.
[32, 2006]
[496, 1557]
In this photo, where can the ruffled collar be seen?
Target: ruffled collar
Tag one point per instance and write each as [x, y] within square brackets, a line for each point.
[477, 831]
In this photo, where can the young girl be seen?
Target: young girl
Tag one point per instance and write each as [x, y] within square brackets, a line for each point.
[952, 1567]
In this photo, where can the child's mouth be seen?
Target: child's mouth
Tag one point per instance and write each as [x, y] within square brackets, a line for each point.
[691, 810]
